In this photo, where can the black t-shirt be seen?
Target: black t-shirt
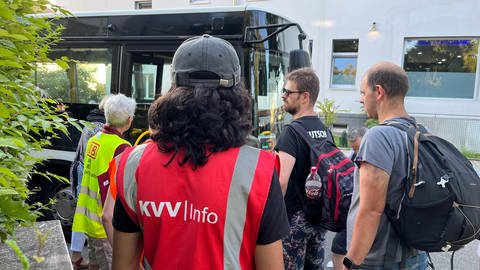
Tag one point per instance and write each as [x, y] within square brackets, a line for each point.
[274, 225]
[293, 144]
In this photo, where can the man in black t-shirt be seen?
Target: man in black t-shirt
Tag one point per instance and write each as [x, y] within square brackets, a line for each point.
[303, 247]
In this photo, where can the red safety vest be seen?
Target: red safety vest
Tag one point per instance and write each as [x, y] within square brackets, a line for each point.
[206, 218]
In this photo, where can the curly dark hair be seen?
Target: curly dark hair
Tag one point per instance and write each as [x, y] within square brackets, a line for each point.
[200, 121]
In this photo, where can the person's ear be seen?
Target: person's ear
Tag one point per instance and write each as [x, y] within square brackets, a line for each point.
[130, 121]
[380, 91]
[306, 96]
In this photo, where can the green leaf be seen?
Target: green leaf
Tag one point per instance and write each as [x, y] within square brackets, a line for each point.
[9, 63]
[4, 112]
[5, 52]
[7, 192]
[7, 172]
[5, 12]
[16, 208]
[62, 64]
[3, 78]
[23, 259]
[13, 143]
[46, 126]
[18, 37]
[7, 142]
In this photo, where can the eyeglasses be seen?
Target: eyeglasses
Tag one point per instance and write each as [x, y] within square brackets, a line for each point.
[288, 92]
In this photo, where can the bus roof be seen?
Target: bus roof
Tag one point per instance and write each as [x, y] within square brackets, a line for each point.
[228, 22]
[187, 10]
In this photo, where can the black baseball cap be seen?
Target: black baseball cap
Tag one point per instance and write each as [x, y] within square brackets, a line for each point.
[206, 61]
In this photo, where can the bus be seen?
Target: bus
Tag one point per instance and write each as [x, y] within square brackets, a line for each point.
[131, 52]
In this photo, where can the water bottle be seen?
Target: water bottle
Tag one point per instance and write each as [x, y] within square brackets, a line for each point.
[313, 184]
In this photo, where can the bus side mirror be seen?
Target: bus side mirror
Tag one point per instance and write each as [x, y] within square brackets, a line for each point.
[298, 58]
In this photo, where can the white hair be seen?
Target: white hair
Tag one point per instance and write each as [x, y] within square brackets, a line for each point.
[355, 133]
[118, 108]
[101, 105]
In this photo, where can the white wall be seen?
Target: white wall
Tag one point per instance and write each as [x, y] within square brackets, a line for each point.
[344, 19]
[396, 20]
[105, 5]
[96, 5]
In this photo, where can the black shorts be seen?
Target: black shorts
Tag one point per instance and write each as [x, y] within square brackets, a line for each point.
[339, 243]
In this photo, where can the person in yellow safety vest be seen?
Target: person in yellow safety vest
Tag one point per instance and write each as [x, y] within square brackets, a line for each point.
[101, 148]
[109, 204]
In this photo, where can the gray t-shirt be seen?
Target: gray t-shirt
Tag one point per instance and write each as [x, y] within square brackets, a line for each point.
[385, 148]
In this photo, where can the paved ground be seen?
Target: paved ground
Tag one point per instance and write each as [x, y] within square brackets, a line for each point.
[464, 259]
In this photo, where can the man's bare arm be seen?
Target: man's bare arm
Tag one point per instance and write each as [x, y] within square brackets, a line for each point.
[373, 195]
[107, 216]
[286, 166]
[269, 257]
[126, 251]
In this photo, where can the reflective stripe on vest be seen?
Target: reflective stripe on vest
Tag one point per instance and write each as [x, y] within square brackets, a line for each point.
[129, 179]
[237, 205]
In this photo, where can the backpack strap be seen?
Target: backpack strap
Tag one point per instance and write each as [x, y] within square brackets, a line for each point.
[413, 131]
[298, 126]
[300, 130]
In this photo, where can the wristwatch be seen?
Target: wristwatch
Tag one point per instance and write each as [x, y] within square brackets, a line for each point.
[349, 264]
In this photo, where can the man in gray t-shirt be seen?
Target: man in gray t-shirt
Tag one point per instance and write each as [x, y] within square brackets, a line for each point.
[382, 166]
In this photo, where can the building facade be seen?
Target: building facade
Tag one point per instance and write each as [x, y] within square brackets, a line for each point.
[437, 44]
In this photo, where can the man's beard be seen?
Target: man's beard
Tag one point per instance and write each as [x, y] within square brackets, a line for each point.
[290, 109]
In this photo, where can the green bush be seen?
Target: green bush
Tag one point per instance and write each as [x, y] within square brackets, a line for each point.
[470, 154]
[370, 122]
[27, 120]
[329, 111]
[343, 142]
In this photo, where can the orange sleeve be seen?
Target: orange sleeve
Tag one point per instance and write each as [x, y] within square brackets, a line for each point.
[112, 170]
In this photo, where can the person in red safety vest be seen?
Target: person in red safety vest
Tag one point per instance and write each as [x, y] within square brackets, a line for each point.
[197, 197]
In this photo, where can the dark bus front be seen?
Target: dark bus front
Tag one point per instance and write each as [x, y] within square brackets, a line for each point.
[132, 54]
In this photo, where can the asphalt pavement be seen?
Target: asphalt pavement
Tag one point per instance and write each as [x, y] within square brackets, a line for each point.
[463, 259]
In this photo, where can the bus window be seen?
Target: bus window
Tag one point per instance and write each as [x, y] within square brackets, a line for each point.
[166, 79]
[144, 79]
[150, 75]
[86, 80]
[268, 82]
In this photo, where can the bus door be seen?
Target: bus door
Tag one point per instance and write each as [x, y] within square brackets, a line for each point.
[147, 75]
[270, 51]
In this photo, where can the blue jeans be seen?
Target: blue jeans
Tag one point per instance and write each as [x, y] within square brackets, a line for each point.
[419, 262]
[78, 238]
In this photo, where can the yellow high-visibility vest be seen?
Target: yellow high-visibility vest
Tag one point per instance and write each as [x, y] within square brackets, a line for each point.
[88, 214]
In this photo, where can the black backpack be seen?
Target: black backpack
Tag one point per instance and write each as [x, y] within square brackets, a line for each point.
[440, 209]
[336, 171]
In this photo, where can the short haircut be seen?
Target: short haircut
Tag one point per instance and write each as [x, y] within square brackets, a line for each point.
[118, 108]
[355, 133]
[101, 105]
[306, 80]
[390, 76]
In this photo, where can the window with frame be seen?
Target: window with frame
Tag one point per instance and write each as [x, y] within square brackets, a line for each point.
[344, 63]
[143, 4]
[150, 75]
[87, 79]
[441, 68]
